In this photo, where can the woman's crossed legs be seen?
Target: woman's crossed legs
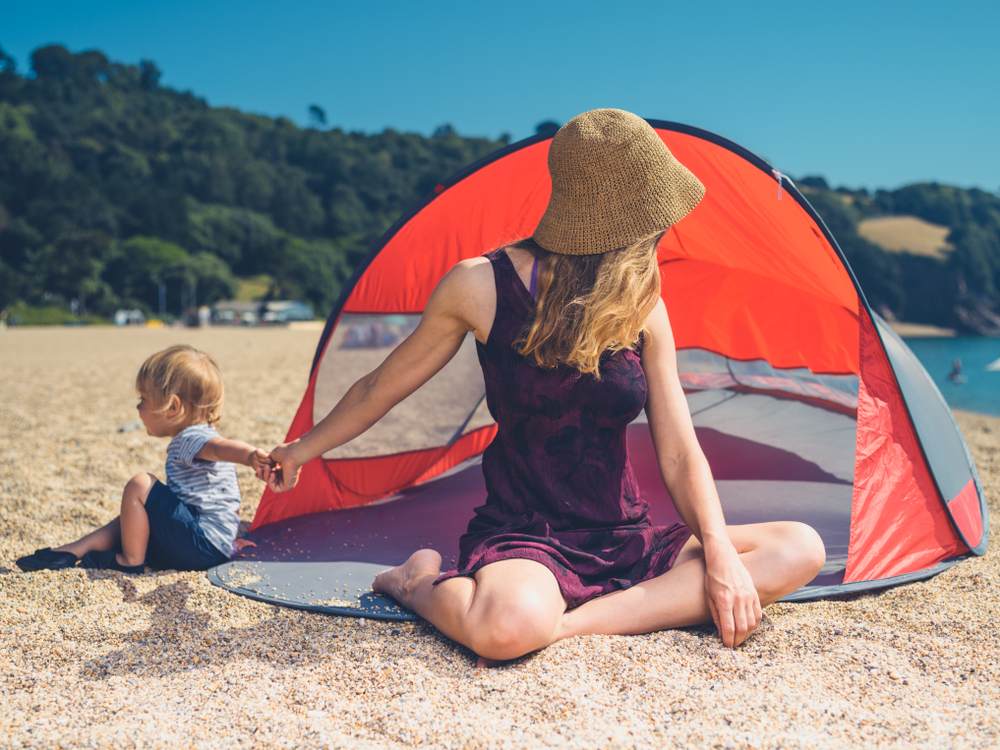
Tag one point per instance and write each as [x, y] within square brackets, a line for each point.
[512, 607]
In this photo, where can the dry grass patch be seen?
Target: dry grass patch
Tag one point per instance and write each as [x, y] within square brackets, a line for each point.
[906, 234]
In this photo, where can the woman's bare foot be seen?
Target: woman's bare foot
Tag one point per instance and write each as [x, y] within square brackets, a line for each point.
[398, 582]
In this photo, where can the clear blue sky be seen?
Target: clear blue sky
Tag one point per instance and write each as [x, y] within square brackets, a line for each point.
[874, 94]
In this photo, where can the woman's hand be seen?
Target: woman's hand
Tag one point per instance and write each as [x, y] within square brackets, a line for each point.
[732, 596]
[285, 472]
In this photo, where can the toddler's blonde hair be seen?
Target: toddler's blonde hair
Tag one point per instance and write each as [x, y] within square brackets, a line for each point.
[185, 372]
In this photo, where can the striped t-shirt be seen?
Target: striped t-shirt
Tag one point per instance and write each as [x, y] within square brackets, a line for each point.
[208, 486]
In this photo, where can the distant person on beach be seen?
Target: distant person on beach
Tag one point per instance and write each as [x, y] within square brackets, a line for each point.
[956, 376]
[189, 522]
[574, 341]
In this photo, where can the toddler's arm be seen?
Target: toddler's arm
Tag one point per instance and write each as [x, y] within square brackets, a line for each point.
[237, 452]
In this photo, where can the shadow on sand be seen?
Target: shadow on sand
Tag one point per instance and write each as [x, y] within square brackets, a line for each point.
[180, 638]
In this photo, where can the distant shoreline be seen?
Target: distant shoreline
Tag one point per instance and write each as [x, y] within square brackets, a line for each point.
[921, 329]
[901, 327]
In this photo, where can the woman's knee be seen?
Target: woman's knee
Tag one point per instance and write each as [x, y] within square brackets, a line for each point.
[513, 629]
[801, 550]
[137, 488]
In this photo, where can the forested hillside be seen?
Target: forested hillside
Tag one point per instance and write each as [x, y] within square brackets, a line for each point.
[111, 183]
[113, 186]
[957, 287]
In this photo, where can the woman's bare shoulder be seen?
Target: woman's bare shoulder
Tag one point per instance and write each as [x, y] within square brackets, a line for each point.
[468, 291]
[656, 328]
[471, 276]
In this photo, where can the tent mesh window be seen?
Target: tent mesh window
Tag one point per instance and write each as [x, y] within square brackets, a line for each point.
[795, 464]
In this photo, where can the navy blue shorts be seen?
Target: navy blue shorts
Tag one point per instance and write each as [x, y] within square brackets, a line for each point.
[176, 541]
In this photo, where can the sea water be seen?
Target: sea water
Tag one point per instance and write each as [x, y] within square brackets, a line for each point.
[981, 389]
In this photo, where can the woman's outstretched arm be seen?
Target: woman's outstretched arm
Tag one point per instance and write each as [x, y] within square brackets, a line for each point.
[436, 339]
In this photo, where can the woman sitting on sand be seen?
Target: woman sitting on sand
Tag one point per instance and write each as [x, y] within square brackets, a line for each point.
[563, 544]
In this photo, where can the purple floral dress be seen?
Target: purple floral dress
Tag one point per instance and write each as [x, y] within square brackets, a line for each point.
[560, 488]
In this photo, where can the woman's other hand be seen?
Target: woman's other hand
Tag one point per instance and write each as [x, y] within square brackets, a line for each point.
[285, 472]
[732, 596]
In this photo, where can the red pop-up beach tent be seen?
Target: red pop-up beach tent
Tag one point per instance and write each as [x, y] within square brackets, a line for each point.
[807, 405]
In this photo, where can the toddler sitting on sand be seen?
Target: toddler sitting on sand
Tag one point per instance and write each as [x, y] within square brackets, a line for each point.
[189, 523]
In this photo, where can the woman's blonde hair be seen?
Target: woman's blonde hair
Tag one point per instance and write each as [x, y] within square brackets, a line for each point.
[185, 372]
[587, 304]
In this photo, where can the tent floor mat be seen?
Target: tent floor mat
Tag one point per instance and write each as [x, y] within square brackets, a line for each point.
[326, 561]
[336, 588]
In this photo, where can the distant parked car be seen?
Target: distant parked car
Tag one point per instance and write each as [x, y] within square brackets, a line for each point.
[235, 313]
[131, 317]
[285, 311]
[272, 312]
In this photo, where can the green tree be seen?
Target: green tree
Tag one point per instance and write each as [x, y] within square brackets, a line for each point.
[311, 270]
[143, 264]
[9, 81]
[70, 268]
[547, 127]
[213, 281]
[10, 283]
[976, 258]
[149, 75]
[317, 115]
[246, 240]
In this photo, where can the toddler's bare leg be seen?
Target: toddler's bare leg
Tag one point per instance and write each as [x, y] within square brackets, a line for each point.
[134, 520]
[106, 537]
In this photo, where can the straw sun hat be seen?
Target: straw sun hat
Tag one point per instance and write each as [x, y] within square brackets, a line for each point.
[614, 182]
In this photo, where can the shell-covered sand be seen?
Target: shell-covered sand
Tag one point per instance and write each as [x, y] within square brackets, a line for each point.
[98, 659]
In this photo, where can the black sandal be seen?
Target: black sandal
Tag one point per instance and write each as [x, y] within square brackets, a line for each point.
[46, 558]
[106, 560]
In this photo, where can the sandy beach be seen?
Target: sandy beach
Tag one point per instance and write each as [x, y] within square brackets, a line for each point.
[99, 659]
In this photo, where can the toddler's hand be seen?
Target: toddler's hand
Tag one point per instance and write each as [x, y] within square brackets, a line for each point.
[261, 464]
